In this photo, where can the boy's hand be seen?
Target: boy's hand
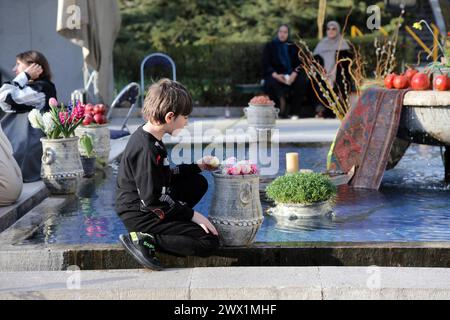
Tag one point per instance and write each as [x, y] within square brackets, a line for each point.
[203, 222]
[209, 163]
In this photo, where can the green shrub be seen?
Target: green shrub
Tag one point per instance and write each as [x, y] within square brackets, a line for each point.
[211, 71]
[305, 188]
[218, 44]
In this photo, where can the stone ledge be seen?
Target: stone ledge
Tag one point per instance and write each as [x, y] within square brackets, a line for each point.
[427, 98]
[32, 195]
[327, 283]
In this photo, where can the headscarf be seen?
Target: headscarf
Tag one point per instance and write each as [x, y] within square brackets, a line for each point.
[283, 50]
[327, 48]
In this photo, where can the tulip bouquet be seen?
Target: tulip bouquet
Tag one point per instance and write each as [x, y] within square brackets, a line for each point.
[59, 122]
[232, 166]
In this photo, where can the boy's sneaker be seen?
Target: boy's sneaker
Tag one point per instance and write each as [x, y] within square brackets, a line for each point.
[142, 247]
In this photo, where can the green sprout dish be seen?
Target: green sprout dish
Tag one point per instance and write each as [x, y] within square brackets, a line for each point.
[303, 188]
[87, 146]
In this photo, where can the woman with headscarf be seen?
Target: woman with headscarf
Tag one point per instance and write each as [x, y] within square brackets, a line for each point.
[30, 89]
[327, 50]
[283, 76]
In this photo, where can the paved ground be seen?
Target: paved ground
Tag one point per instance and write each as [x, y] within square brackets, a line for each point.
[315, 283]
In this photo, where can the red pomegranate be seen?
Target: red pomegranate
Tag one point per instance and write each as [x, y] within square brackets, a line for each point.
[420, 81]
[401, 82]
[441, 82]
[410, 73]
[388, 81]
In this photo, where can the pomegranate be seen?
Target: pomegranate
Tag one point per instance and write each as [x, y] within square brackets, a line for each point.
[388, 81]
[420, 81]
[401, 82]
[87, 120]
[440, 82]
[410, 73]
[99, 118]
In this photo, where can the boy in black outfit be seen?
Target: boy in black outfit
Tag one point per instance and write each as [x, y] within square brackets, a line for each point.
[154, 201]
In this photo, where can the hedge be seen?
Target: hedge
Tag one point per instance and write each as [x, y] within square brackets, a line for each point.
[211, 71]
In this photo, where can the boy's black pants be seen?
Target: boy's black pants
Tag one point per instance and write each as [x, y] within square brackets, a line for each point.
[181, 238]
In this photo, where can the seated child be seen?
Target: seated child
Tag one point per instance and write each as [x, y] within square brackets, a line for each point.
[154, 201]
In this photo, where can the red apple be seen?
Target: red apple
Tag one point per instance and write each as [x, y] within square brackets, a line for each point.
[410, 73]
[440, 82]
[420, 81]
[400, 82]
[388, 81]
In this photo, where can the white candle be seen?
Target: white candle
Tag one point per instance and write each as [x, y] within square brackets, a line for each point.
[291, 162]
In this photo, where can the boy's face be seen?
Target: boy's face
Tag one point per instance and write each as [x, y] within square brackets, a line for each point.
[175, 123]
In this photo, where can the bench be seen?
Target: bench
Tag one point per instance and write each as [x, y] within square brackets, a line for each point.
[249, 88]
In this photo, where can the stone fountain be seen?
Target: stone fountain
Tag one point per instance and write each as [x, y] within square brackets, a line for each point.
[425, 119]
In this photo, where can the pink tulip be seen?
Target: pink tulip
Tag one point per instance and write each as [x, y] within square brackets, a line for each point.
[236, 170]
[245, 168]
[52, 102]
[230, 161]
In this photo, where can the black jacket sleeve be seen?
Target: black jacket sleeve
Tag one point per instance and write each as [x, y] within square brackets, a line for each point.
[183, 170]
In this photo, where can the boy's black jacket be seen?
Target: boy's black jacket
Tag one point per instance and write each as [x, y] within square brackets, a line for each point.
[144, 178]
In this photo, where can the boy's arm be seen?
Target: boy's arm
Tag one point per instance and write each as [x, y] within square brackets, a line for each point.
[152, 198]
[185, 169]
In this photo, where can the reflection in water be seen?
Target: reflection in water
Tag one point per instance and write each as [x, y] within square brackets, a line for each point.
[411, 205]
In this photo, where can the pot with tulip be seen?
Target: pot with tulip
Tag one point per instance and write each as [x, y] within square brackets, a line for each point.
[61, 165]
[236, 210]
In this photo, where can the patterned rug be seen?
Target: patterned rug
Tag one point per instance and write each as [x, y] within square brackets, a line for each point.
[366, 136]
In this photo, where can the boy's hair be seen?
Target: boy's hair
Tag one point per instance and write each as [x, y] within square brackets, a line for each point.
[166, 96]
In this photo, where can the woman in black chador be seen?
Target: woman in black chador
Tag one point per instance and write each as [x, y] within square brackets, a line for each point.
[284, 80]
[30, 89]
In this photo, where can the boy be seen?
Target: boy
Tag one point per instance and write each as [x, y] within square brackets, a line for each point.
[154, 201]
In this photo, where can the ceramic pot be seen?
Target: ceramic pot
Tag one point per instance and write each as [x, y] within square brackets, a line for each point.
[61, 167]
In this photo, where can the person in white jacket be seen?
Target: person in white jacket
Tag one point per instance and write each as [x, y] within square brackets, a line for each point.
[10, 175]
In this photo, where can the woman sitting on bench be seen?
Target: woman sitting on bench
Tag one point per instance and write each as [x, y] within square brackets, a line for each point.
[283, 76]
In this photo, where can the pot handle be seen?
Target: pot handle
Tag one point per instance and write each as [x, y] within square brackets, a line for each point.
[277, 111]
[48, 156]
[245, 194]
[245, 111]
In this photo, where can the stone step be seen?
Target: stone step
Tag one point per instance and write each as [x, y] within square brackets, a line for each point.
[237, 283]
